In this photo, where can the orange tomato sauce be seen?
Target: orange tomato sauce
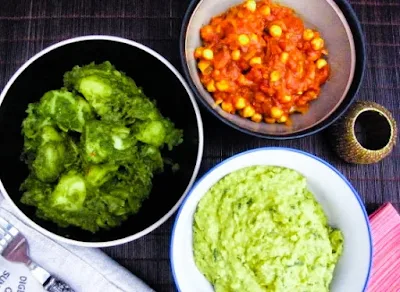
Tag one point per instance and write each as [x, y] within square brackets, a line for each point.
[258, 60]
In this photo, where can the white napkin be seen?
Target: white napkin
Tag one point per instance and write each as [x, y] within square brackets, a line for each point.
[84, 269]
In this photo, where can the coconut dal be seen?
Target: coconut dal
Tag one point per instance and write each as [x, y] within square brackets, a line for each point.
[261, 229]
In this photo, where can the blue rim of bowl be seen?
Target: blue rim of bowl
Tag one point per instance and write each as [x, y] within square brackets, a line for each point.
[361, 59]
[355, 193]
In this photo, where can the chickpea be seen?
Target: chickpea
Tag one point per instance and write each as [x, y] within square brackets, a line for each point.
[275, 31]
[275, 76]
[257, 118]
[206, 31]
[251, 5]
[222, 85]
[204, 67]
[198, 52]
[317, 44]
[248, 111]
[286, 98]
[243, 39]
[276, 112]
[254, 37]
[283, 119]
[227, 106]
[208, 54]
[218, 101]
[240, 103]
[235, 55]
[321, 63]
[255, 61]
[216, 73]
[284, 57]
[270, 120]
[211, 86]
[266, 10]
[308, 34]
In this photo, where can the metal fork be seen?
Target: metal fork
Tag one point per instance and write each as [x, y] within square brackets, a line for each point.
[14, 248]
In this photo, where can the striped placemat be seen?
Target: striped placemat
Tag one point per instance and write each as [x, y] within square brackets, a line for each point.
[385, 227]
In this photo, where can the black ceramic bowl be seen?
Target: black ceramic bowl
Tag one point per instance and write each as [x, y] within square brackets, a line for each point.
[340, 28]
[160, 81]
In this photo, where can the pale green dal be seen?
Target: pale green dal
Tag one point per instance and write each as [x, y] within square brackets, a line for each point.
[261, 229]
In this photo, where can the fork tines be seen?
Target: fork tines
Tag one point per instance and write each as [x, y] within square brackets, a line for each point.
[7, 233]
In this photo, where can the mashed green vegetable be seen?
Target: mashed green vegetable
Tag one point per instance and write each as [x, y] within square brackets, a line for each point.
[261, 229]
[92, 148]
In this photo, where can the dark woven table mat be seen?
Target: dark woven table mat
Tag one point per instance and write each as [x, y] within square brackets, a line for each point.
[26, 27]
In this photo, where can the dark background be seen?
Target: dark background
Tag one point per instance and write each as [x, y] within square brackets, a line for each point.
[28, 26]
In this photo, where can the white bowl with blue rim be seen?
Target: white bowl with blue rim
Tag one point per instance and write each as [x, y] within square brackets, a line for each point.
[340, 201]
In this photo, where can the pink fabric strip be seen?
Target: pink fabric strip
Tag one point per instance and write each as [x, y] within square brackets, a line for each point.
[385, 228]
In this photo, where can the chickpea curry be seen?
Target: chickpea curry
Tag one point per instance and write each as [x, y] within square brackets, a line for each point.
[259, 60]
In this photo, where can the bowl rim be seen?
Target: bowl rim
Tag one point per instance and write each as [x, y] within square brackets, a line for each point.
[359, 69]
[262, 149]
[164, 218]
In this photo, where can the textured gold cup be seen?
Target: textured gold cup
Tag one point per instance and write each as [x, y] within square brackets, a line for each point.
[380, 129]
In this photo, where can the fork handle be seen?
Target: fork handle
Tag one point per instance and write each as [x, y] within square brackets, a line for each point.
[54, 284]
[50, 283]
